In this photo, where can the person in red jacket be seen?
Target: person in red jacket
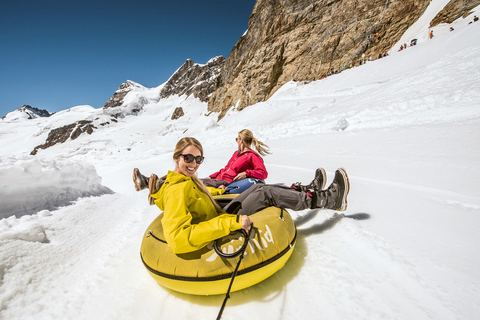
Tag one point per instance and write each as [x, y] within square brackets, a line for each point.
[244, 163]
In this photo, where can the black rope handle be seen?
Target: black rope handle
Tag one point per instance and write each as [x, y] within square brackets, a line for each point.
[241, 252]
[236, 253]
[150, 233]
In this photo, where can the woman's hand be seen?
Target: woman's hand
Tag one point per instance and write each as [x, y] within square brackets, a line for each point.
[246, 223]
[240, 176]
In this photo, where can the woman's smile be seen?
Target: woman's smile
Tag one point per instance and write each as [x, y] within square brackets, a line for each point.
[188, 169]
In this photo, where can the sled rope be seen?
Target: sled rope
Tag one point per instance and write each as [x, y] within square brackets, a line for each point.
[242, 252]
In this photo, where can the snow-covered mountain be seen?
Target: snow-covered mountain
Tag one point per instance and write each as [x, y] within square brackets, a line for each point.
[26, 112]
[405, 127]
[190, 80]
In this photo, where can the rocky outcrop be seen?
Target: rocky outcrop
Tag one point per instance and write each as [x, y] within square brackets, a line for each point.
[117, 107]
[454, 10]
[62, 134]
[305, 40]
[192, 78]
[177, 113]
[117, 99]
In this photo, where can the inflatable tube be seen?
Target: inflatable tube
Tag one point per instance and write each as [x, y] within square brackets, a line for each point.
[204, 272]
[242, 185]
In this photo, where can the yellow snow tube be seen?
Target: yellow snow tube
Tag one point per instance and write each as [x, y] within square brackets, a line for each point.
[205, 272]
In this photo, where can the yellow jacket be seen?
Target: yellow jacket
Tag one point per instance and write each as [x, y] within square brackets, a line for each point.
[190, 219]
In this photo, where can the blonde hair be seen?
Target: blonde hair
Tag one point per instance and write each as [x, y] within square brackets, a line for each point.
[248, 137]
[181, 145]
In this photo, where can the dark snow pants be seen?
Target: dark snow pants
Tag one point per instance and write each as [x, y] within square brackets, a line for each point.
[261, 196]
[215, 183]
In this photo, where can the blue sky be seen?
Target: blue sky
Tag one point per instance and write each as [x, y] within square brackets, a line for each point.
[55, 55]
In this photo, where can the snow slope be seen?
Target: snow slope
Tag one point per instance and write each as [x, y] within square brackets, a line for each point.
[406, 128]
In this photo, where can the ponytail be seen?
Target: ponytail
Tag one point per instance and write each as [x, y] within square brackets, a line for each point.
[248, 137]
[259, 146]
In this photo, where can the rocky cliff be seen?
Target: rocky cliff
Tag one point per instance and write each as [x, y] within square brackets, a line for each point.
[192, 78]
[306, 40]
[454, 10]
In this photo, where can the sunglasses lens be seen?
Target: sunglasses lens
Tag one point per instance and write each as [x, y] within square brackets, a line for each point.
[188, 158]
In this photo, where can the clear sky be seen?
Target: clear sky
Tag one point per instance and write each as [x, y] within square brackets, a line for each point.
[57, 54]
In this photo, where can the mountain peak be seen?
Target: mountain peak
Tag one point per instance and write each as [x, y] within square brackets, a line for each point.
[193, 78]
[26, 112]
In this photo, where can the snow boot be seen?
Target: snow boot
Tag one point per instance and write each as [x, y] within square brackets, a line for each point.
[318, 183]
[140, 181]
[335, 196]
[154, 184]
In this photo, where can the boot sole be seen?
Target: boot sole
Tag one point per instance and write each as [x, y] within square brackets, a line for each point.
[135, 179]
[152, 182]
[344, 204]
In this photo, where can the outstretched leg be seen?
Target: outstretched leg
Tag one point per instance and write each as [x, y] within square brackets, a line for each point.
[261, 196]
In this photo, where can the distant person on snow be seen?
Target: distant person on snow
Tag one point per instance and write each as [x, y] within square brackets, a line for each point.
[431, 34]
[192, 218]
[475, 18]
[244, 163]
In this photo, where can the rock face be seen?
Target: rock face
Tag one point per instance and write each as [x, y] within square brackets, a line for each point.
[177, 113]
[454, 10]
[305, 40]
[193, 78]
[62, 134]
[117, 99]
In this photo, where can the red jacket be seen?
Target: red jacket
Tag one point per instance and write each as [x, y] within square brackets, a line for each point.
[249, 161]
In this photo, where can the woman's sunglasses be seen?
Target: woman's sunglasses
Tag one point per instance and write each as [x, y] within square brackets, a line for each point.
[188, 158]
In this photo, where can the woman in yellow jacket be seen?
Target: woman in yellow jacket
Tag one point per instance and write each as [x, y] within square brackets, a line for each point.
[192, 218]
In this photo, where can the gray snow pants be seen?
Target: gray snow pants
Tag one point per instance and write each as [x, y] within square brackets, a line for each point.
[261, 196]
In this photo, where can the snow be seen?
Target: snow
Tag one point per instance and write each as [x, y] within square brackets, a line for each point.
[405, 127]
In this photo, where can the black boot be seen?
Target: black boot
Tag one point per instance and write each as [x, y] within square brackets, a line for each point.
[335, 197]
[318, 183]
[140, 181]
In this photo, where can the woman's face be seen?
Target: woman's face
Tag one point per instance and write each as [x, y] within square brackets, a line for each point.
[188, 169]
[239, 142]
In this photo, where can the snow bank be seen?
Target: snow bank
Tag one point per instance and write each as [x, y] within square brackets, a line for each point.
[32, 184]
